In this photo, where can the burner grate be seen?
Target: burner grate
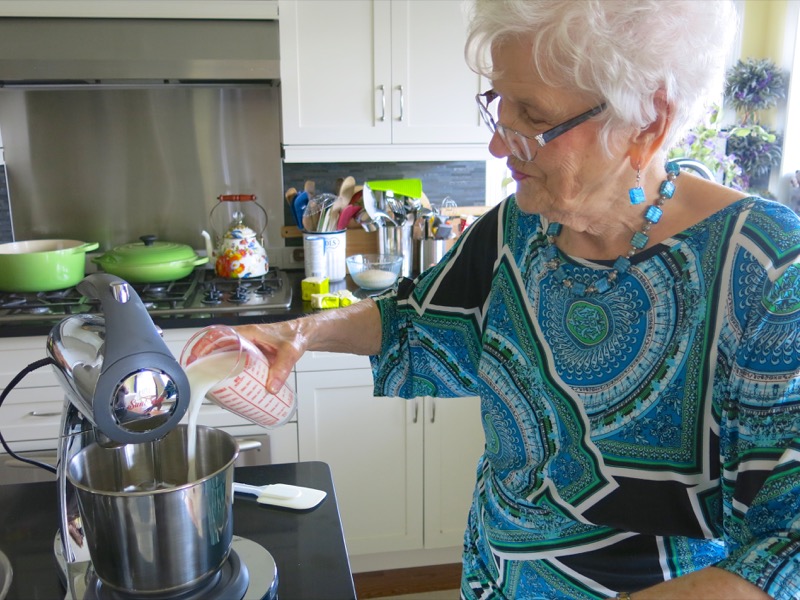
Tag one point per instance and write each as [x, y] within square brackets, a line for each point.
[201, 293]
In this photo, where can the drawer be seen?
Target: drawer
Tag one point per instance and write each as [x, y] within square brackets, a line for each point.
[33, 397]
[18, 352]
[24, 421]
[331, 361]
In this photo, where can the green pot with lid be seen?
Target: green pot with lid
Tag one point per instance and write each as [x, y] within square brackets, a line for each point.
[150, 261]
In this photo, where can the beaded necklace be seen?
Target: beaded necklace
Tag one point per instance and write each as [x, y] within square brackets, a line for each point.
[652, 215]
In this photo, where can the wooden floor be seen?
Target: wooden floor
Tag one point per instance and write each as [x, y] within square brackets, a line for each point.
[397, 582]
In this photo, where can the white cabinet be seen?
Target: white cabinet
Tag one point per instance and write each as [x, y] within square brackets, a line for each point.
[404, 469]
[454, 440]
[158, 9]
[378, 79]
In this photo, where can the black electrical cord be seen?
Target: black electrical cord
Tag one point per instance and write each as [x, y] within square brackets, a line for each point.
[17, 378]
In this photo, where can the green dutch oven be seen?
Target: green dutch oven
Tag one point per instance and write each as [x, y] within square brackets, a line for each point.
[43, 265]
[150, 261]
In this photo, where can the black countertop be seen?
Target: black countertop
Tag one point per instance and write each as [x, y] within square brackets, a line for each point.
[308, 546]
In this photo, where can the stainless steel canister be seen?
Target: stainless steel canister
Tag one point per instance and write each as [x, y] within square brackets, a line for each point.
[150, 530]
[429, 252]
[397, 240]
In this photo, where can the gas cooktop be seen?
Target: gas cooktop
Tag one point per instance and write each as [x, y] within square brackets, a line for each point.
[200, 294]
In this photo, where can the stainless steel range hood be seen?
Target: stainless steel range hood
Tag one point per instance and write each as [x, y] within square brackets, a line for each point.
[117, 128]
[52, 51]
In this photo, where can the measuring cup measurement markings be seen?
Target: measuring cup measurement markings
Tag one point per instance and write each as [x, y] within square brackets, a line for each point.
[243, 390]
[232, 372]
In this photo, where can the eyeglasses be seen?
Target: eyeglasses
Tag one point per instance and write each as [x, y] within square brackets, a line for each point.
[518, 142]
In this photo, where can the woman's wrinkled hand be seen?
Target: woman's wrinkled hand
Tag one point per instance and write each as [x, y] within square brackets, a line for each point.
[282, 343]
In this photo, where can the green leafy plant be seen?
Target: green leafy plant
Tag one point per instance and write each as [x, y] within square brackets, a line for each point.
[751, 86]
[707, 143]
[757, 149]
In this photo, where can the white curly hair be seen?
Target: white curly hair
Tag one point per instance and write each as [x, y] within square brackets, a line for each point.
[622, 52]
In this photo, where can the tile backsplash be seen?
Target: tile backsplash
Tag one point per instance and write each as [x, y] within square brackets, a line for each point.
[464, 182]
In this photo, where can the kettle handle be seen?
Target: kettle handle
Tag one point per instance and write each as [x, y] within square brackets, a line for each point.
[236, 197]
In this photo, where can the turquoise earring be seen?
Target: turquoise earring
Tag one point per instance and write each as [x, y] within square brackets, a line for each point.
[636, 193]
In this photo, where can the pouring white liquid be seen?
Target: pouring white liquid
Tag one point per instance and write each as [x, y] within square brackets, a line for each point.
[203, 374]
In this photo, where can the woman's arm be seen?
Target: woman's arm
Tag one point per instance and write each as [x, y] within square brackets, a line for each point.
[355, 329]
[710, 583]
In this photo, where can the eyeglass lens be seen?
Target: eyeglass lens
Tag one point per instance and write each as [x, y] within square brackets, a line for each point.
[516, 142]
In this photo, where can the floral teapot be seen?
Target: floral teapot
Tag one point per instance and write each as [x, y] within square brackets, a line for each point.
[238, 223]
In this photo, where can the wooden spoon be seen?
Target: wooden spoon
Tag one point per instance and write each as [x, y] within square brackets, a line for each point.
[347, 189]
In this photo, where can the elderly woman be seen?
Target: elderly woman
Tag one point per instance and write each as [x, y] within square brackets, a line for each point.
[633, 332]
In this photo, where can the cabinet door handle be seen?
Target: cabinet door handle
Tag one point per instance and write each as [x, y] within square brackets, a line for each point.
[36, 413]
[416, 410]
[383, 103]
[433, 410]
[245, 445]
[402, 107]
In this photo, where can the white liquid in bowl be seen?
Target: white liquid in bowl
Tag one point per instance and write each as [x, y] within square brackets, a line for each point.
[375, 279]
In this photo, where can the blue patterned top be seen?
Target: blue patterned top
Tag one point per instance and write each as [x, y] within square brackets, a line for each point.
[631, 436]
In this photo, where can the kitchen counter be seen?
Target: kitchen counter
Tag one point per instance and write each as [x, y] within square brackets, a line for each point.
[308, 546]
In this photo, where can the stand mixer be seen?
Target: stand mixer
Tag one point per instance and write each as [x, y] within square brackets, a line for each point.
[142, 529]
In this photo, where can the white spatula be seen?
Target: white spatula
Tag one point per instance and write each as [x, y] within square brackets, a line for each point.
[282, 494]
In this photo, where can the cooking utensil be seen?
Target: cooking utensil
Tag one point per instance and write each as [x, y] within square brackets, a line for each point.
[368, 200]
[379, 216]
[347, 189]
[366, 222]
[320, 213]
[281, 494]
[42, 265]
[401, 187]
[149, 528]
[290, 195]
[346, 215]
[243, 389]
[150, 261]
[299, 208]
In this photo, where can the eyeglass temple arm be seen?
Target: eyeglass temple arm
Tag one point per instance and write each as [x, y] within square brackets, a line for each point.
[556, 131]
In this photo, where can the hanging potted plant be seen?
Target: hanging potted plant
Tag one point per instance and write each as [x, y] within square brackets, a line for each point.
[752, 86]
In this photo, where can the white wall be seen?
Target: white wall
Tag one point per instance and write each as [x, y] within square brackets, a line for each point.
[791, 149]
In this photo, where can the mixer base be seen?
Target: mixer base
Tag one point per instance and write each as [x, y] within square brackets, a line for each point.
[233, 581]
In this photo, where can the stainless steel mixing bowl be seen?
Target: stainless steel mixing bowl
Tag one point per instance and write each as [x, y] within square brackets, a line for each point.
[150, 530]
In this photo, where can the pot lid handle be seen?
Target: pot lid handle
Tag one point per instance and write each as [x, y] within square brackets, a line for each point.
[236, 197]
[148, 240]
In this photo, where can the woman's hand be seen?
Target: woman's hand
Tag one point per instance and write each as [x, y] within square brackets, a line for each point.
[355, 330]
[282, 343]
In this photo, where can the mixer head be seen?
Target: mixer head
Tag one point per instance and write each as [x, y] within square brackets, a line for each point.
[116, 369]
